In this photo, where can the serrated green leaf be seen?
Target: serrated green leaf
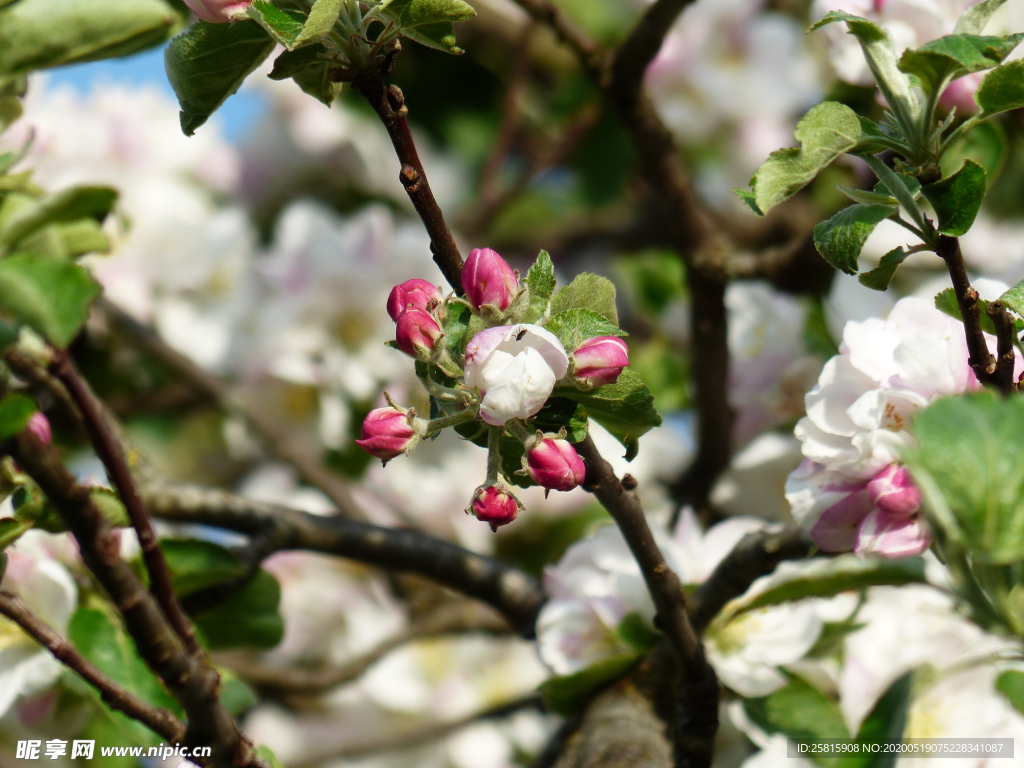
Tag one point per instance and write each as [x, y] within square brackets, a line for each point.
[320, 21]
[945, 301]
[541, 282]
[985, 144]
[841, 238]
[798, 710]
[749, 199]
[38, 34]
[575, 326]
[974, 19]
[878, 279]
[67, 205]
[824, 133]
[1011, 684]
[957, 199]
[625, 408]
[52, 297]
[317, 82]
[588, 291]
[881, 57]
[283, 26]
[940, 61]
[208, 62]
[971, 473]
[247, 619]
[565, 695]
[109, 647]
[1002, 89]
[15, 411]
[195, 564]
[824, 578]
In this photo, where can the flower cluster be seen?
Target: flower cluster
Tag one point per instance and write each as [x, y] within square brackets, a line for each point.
[851, 491]
[491, 362]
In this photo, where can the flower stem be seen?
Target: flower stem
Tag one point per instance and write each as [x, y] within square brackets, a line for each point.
[452, 420]
[493, 455]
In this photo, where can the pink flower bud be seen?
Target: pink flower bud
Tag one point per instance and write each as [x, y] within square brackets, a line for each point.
[600, 360]
[218, 11]
[417, 330]
[489, 280]
[413, 293]
[495, 505]
[387, 432]
[39, 426]
[894, 492]
[554, 464]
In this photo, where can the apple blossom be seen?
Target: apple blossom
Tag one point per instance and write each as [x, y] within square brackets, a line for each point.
[515, 368]
[554, 464]
[388, 432]
[39, 426]
[599, 361]
[417, 332]
[218, 11]
[415, 293]
[495, 505]
[488, 280]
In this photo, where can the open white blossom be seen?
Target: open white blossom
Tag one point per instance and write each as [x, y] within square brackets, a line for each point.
[514, 367]
[48, 590]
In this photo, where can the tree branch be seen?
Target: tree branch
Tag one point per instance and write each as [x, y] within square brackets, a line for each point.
[639, 49]
[697, 719]
[514, 594]
[1005, 330]
[389, 104]
[193, 682]
[277, 438]
[111, 453]
[160, 721]
[756, 555]
[980, 359]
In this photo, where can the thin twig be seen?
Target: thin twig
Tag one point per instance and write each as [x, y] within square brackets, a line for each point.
[756, 555]
[389, 104]
[278, 439]
[980, 360]
[513, 593]
[698, 700]
[160, 721]
[642, 45]
[111, 453]
[1005, 330]
[459, 617]
[190, 679]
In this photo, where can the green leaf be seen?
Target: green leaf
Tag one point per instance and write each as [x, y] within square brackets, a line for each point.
[948, 58]
[208, 62]
[10, 110]
[1011, 684]
[1001, 89]
[971, 473]
[561, 412]
[109, 647]
[17, 223]
[824, 133]
[878, 279]
[1013, 299]
[541, 282]
[625, 408]
[945, 301]
[283, 26]
[575, 326]
[247, 619]
[310, 71]
[900, 187]
[110, 506]
[237, 697]
[439, 36]
[825, 578]
[456, 328]
[10, 531]
[195, 564]
[52, 297]
[985, 144]
[840, 239]
[37, 34]
[588, 291]
[414, 13]
[881, 57]
[635, 631]
[267, 754]
[957, 199]
[320, 22]
[798, 710]
[566, 695]
[885, 724]
[974, 19]
[15, 411]
[866, 197]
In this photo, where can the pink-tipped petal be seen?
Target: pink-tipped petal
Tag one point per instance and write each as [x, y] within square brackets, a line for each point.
[600, 360]
[555, 465]
[488, 280]
[412, 294]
